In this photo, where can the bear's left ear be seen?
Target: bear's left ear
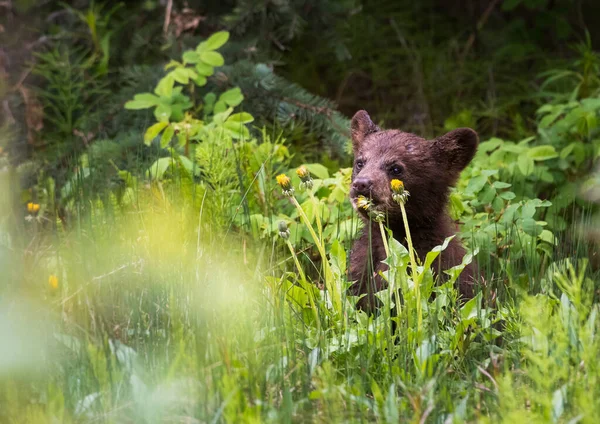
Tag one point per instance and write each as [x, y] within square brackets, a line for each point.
[457, 148]
[360, 127]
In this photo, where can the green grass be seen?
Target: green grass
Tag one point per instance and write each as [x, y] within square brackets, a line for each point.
[158, 317]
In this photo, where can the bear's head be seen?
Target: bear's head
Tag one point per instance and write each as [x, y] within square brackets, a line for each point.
[426, 167]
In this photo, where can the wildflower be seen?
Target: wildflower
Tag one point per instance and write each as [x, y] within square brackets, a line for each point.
[53, 282]
[284, 231]
[286, 184]
[33, 208]
[363, 203]
[399, 193]
[304, 174]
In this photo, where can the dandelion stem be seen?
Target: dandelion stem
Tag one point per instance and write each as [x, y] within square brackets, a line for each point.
[329, 283]
[305, 285]
[413, 265]
[392, 281]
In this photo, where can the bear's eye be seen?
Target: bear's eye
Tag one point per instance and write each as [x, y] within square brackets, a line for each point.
[396, 170]
[359, 164]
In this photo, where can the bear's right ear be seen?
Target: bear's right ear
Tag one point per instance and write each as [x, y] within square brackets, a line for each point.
[361, 127]
[457, 148]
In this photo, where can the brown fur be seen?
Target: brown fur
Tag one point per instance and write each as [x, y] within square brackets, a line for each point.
[427, 169]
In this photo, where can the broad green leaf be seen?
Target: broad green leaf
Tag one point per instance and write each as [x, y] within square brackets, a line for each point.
[220, 107]
[204, 69]
[237, 129]
[318, 170]
[243, 117]
[153, 131]
[216, 40]
[232, 97]
[469, 309]
[212, 58]
[531, 227]
[172, 64]
[165, 86]
[191, 57]
[542, 152]
[167, 136]
[159, 167]
[525, 164]
[200, 81]
[180, 75]
[491, 144]
[500, 184]
[220, 117]
[163, 112]
[142, 101]
[508, 195]
[476, 184]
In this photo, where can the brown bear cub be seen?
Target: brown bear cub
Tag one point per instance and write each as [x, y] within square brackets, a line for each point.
[427, 168]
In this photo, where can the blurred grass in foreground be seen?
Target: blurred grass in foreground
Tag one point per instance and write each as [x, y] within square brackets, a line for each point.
[149, 314]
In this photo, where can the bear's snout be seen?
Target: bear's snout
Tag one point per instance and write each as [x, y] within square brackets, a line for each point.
[362, 186]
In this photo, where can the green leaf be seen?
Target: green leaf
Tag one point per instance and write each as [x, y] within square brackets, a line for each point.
[167, 136]
[159, 167]
[525, 164]
[142, 101]
[220, 107]
[165, 86]
[212, 58]
[508, 195]
[243, 117]
[200, 81]
[531, 227]
[204, 69]
[500, 184]
[191, 57]
[542, 152]
[317, 170]
[232, 97]
[237, 129]
[180, 75]
[153, 131]
[476, 184]
[216, 40]
[163, 112]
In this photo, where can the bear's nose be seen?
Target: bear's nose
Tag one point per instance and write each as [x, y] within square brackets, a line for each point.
[362, 185]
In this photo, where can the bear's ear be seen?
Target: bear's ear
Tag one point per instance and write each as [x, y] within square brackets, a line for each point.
[361, 127]
[457, 148]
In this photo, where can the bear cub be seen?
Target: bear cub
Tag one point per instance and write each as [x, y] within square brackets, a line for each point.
[427, 168]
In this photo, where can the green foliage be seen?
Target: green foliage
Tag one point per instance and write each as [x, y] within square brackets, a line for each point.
[154, 271]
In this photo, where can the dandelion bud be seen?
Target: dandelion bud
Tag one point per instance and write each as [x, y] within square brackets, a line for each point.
[304, 174]
[377, 216]
[286, 184]
[284, 231]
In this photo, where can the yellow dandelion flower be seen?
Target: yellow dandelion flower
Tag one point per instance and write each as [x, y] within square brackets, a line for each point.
[33, 207]
[399, 193]
[304, 174]
[53, 282]
[363, 203]
[285, 183]
[397, 186]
